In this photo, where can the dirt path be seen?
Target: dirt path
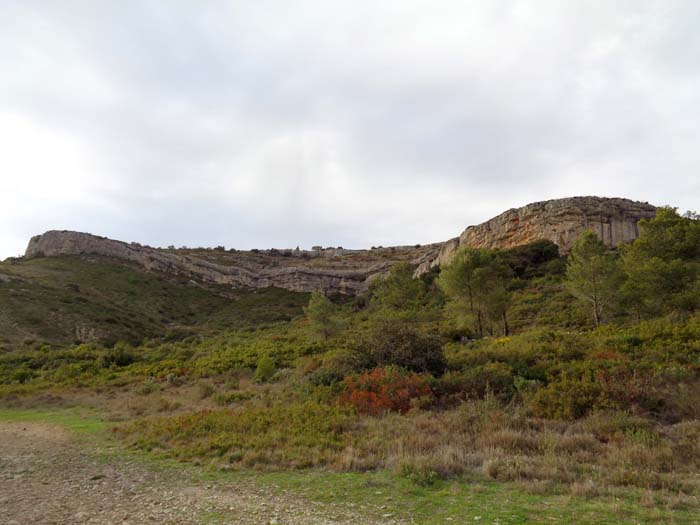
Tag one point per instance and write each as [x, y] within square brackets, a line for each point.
[50, 476]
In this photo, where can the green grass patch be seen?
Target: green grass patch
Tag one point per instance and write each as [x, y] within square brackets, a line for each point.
[382, 494]
[78, 420]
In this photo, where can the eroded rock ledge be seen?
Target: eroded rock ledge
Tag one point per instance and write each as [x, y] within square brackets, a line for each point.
[561, 221]
[351, 271]
[343, 271]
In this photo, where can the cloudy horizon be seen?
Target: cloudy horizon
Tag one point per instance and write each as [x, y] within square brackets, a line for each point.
[265, 124]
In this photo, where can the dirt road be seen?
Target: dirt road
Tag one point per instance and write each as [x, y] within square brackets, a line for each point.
[49, 475]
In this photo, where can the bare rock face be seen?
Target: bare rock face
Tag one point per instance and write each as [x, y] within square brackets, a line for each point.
[328, 271]
[561, 221]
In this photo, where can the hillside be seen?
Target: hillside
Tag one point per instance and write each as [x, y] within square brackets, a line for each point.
[75, 299]
[517, 374]
[74, 287]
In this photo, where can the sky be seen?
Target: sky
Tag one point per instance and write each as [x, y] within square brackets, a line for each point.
[261, 123]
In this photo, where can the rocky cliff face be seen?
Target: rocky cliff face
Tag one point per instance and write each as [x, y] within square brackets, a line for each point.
[332, 270]
[561, 221]
[351, 271]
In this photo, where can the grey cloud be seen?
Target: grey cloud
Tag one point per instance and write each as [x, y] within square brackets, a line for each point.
[269, 123]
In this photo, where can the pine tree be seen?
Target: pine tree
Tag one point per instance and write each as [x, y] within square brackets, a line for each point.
[593, 275]
[479, 279]
[322, 314]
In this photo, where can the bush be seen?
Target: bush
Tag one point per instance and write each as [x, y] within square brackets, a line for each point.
[326, 376]
[567, 398]
[222, 398]
[120, 355]
[420, 475]
[385, 389]
[400, 345]
[148, 387]
[496, 378]
[265, 369]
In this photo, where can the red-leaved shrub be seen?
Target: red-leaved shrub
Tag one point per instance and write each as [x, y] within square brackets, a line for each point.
[385, 389]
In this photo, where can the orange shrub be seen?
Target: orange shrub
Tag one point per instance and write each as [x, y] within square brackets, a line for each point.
[385, 389]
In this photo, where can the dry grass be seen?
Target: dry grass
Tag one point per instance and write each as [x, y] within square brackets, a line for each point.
[480, 438]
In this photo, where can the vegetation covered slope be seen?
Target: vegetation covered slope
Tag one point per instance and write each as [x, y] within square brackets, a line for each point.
[577, 376]
[76, 299]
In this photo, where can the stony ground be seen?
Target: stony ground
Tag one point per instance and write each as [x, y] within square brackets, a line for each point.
[51, 476]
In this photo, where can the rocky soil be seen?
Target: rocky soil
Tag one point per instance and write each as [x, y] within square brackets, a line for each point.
[51, 476]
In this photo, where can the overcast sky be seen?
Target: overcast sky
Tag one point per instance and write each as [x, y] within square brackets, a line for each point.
[356, 123]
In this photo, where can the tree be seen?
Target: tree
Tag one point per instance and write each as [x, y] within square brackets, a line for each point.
[496, 297]
[322, 314]
[593, 275]
[480, 279]
[399, 290]
[663, 265]
[535, 259]
[497, 304]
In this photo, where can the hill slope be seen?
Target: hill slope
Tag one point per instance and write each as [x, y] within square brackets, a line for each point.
[71, 299]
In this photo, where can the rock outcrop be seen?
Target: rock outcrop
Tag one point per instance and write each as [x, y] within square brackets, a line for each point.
[349, 274]
[561, 221]
[351, 271]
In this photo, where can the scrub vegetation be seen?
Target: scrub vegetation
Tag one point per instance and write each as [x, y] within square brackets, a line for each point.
[551, 375]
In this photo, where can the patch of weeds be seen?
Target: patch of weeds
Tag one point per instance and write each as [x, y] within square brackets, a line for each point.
[421, 476]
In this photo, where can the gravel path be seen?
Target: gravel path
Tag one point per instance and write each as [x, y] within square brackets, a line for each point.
[50, 476]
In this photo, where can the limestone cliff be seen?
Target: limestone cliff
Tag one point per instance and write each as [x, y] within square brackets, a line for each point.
[561, 221]
[333, 270]
[351, 271]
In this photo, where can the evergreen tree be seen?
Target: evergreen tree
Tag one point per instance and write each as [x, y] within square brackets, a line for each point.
[479, 279]
[663, 265]
[593, 275]
[322, 314]
[399, 290]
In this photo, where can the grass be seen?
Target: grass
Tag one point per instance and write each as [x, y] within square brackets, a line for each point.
[79, 420]
[289, 436]
[599, 455]
[381, 494]
[477, 501]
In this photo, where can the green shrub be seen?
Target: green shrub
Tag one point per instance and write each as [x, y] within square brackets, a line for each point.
[120, 355]
[22, 376]
[327, 376]
[496, 378]
[567, 398]
[223, 398]
[399, 344]
[265, 369]
[420, 475]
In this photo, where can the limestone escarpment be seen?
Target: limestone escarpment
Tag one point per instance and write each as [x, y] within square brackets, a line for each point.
[561, 221]
[337, 270]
